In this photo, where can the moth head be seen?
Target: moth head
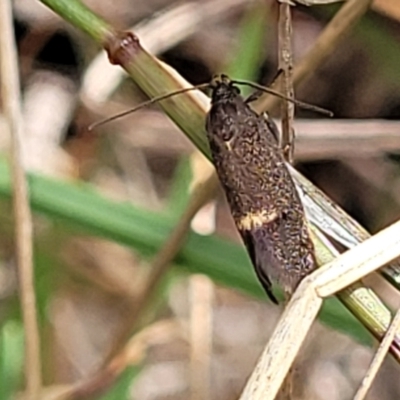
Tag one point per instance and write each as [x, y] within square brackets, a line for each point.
[222, 88]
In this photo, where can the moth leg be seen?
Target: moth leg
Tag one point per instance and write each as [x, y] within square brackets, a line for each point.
[279, 72]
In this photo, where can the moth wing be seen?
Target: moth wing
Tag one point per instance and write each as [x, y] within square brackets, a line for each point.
[248, 241]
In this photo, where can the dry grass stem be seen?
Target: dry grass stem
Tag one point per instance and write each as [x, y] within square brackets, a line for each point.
[327, 41]
[378, 358]
[285, 50]
[282, 348]
[286, 66]
[201, 293]
[10, 90]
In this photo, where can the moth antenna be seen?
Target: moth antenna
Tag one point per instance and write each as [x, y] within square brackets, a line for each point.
[299, 103]
[145, 104]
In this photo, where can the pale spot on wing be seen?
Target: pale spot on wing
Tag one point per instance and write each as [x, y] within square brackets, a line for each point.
[256, 219]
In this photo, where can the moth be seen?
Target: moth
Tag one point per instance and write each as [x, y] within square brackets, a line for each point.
[262, 196]
[260, 191]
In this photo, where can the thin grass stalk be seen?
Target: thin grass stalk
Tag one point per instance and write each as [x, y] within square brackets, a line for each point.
[10, 91]
[378, 358]
[286, 66]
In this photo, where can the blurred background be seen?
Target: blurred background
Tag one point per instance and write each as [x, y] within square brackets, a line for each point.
[195, 339]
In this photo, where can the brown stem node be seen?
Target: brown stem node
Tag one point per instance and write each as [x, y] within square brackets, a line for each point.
[122, 47]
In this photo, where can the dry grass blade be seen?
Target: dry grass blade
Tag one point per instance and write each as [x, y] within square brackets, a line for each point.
[378, 358]
[10, 90]
[283, 346]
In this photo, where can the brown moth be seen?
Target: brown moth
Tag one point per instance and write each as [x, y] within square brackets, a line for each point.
[262, 196]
